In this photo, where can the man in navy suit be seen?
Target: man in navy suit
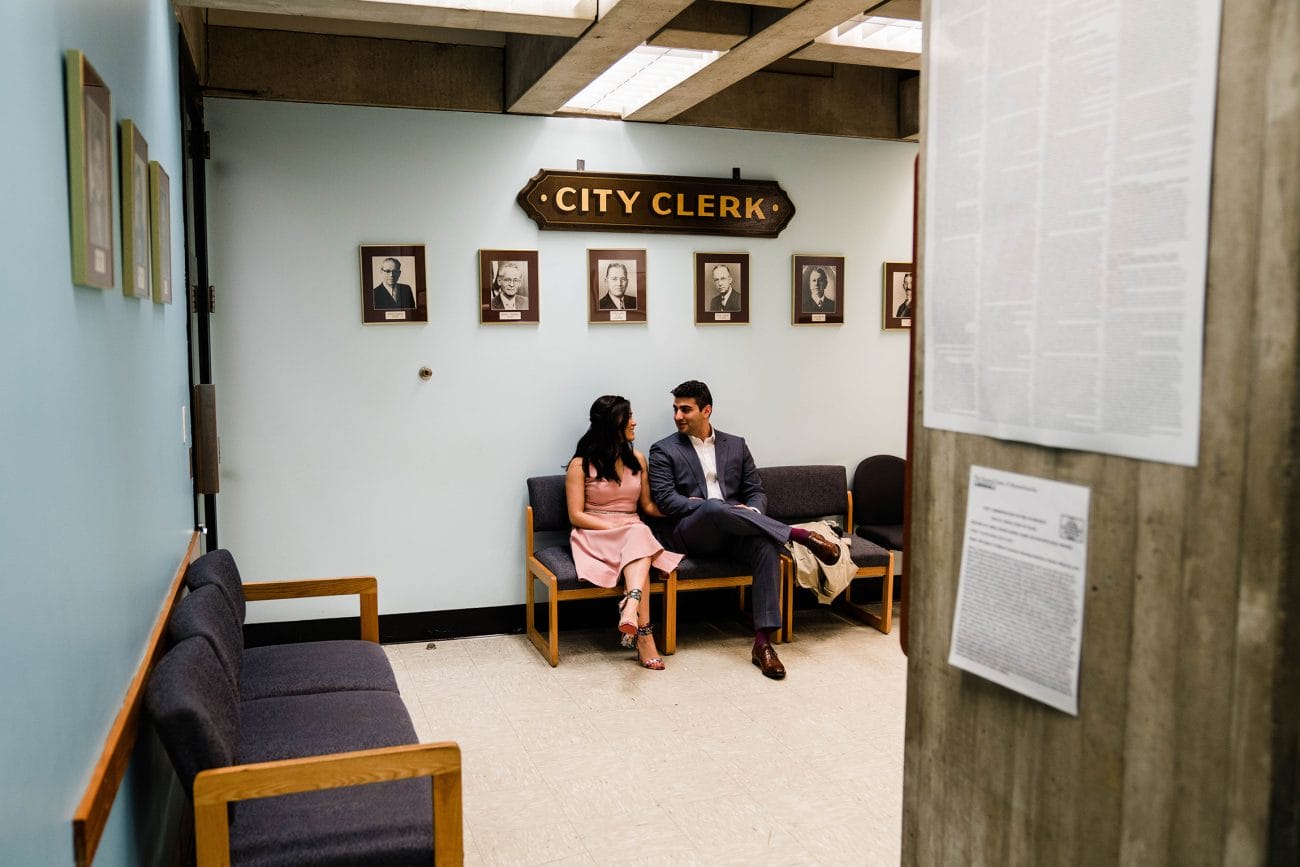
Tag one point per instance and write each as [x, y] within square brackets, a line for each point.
[706, 483]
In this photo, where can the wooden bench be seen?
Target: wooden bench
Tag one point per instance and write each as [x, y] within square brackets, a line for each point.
[297, 753]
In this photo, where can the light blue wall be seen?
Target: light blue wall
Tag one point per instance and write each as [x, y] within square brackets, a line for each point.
[95, 507]
[337, 459]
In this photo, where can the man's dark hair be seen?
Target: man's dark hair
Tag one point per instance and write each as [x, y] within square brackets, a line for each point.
[696, 390]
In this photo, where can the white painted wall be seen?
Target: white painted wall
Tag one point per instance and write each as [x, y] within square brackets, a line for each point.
[337, 459]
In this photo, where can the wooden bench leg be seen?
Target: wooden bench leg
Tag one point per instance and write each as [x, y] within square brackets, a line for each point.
[670, 614]
[787, 601]
[884, 620]
[548, 646]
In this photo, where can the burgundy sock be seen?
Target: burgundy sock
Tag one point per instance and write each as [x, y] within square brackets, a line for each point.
[799, 534]
[761, 637]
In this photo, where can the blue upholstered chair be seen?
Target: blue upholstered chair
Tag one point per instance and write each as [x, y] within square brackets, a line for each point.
[799, 494]
[552, 565]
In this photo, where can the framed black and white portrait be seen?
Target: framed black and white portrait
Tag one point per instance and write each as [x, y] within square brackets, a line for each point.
[392, 284]
[508, 286]
[899, 296]
[818, 290]
[616, 286]
[721, 288]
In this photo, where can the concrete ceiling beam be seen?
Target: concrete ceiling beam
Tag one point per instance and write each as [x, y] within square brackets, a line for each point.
[536, 83]
[545, 17]
[791, 32]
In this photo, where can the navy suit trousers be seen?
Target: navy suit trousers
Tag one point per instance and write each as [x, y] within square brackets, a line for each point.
[720, 529]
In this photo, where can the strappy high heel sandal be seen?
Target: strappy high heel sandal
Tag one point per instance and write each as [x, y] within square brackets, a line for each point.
[654, 663]
[627, 616]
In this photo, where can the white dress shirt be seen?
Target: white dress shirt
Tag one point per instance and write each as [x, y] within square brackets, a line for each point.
[704, 448]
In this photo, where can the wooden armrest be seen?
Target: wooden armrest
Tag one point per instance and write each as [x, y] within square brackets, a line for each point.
[216, 788]
[365, 586]
[305, 587]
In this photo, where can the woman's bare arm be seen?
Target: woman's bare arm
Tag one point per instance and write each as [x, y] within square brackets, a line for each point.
[575, 497]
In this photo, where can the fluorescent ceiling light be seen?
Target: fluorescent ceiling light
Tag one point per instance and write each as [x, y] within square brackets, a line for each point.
[643, 74]
[873, 31]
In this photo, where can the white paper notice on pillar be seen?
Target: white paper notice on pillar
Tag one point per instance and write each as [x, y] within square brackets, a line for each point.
[1019, 618]
[1067, 158]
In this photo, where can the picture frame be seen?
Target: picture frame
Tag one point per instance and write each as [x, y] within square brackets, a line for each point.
[721, 288]
[393, 289]
[818, 290]
[137, 261]
[160, 232]
[508, 287]
[898, 296]
[90, 172]
[606, 291]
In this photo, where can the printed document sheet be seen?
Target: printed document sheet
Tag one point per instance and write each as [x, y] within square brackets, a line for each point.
[1019, 618]
[1068, 151]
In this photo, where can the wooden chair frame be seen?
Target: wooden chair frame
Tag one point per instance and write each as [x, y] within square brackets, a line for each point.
[534, 570]
[740, 582]
[215, 789]
[366, 587]
[882, 621]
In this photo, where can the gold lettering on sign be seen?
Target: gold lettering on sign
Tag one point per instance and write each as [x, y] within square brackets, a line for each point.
[655, 203]
[628, 201]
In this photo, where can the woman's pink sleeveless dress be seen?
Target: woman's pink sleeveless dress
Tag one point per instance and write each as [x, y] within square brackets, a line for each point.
[600, 555]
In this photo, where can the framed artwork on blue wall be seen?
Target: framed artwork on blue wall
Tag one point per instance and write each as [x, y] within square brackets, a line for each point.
[137, 262]
[160, 232]
[90, 172]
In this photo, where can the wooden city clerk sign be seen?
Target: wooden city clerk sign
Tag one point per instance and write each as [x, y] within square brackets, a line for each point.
[586, 201]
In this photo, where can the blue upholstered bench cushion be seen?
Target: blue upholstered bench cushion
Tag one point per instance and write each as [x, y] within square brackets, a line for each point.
[559, 559]
[218, 567]
[381, 824]
[282, 669]
[866, 553]
[887, 535]
[314, 666]
[194, 709]
[709, 567]
[205, 612]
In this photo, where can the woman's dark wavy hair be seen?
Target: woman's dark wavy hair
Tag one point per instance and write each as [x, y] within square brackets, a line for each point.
[603, 445]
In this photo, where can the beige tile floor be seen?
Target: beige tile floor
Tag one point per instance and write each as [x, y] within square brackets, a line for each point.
[601, 762]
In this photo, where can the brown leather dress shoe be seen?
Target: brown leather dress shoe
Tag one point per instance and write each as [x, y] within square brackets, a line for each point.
[824, 549]
[764, 656]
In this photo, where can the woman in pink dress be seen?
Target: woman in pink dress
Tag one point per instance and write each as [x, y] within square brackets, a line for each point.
[603, 488]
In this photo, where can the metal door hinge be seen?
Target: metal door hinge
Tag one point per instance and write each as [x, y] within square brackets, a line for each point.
[212, 299]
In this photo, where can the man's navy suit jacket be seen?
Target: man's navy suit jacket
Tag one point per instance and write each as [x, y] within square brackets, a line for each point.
[676, 474]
